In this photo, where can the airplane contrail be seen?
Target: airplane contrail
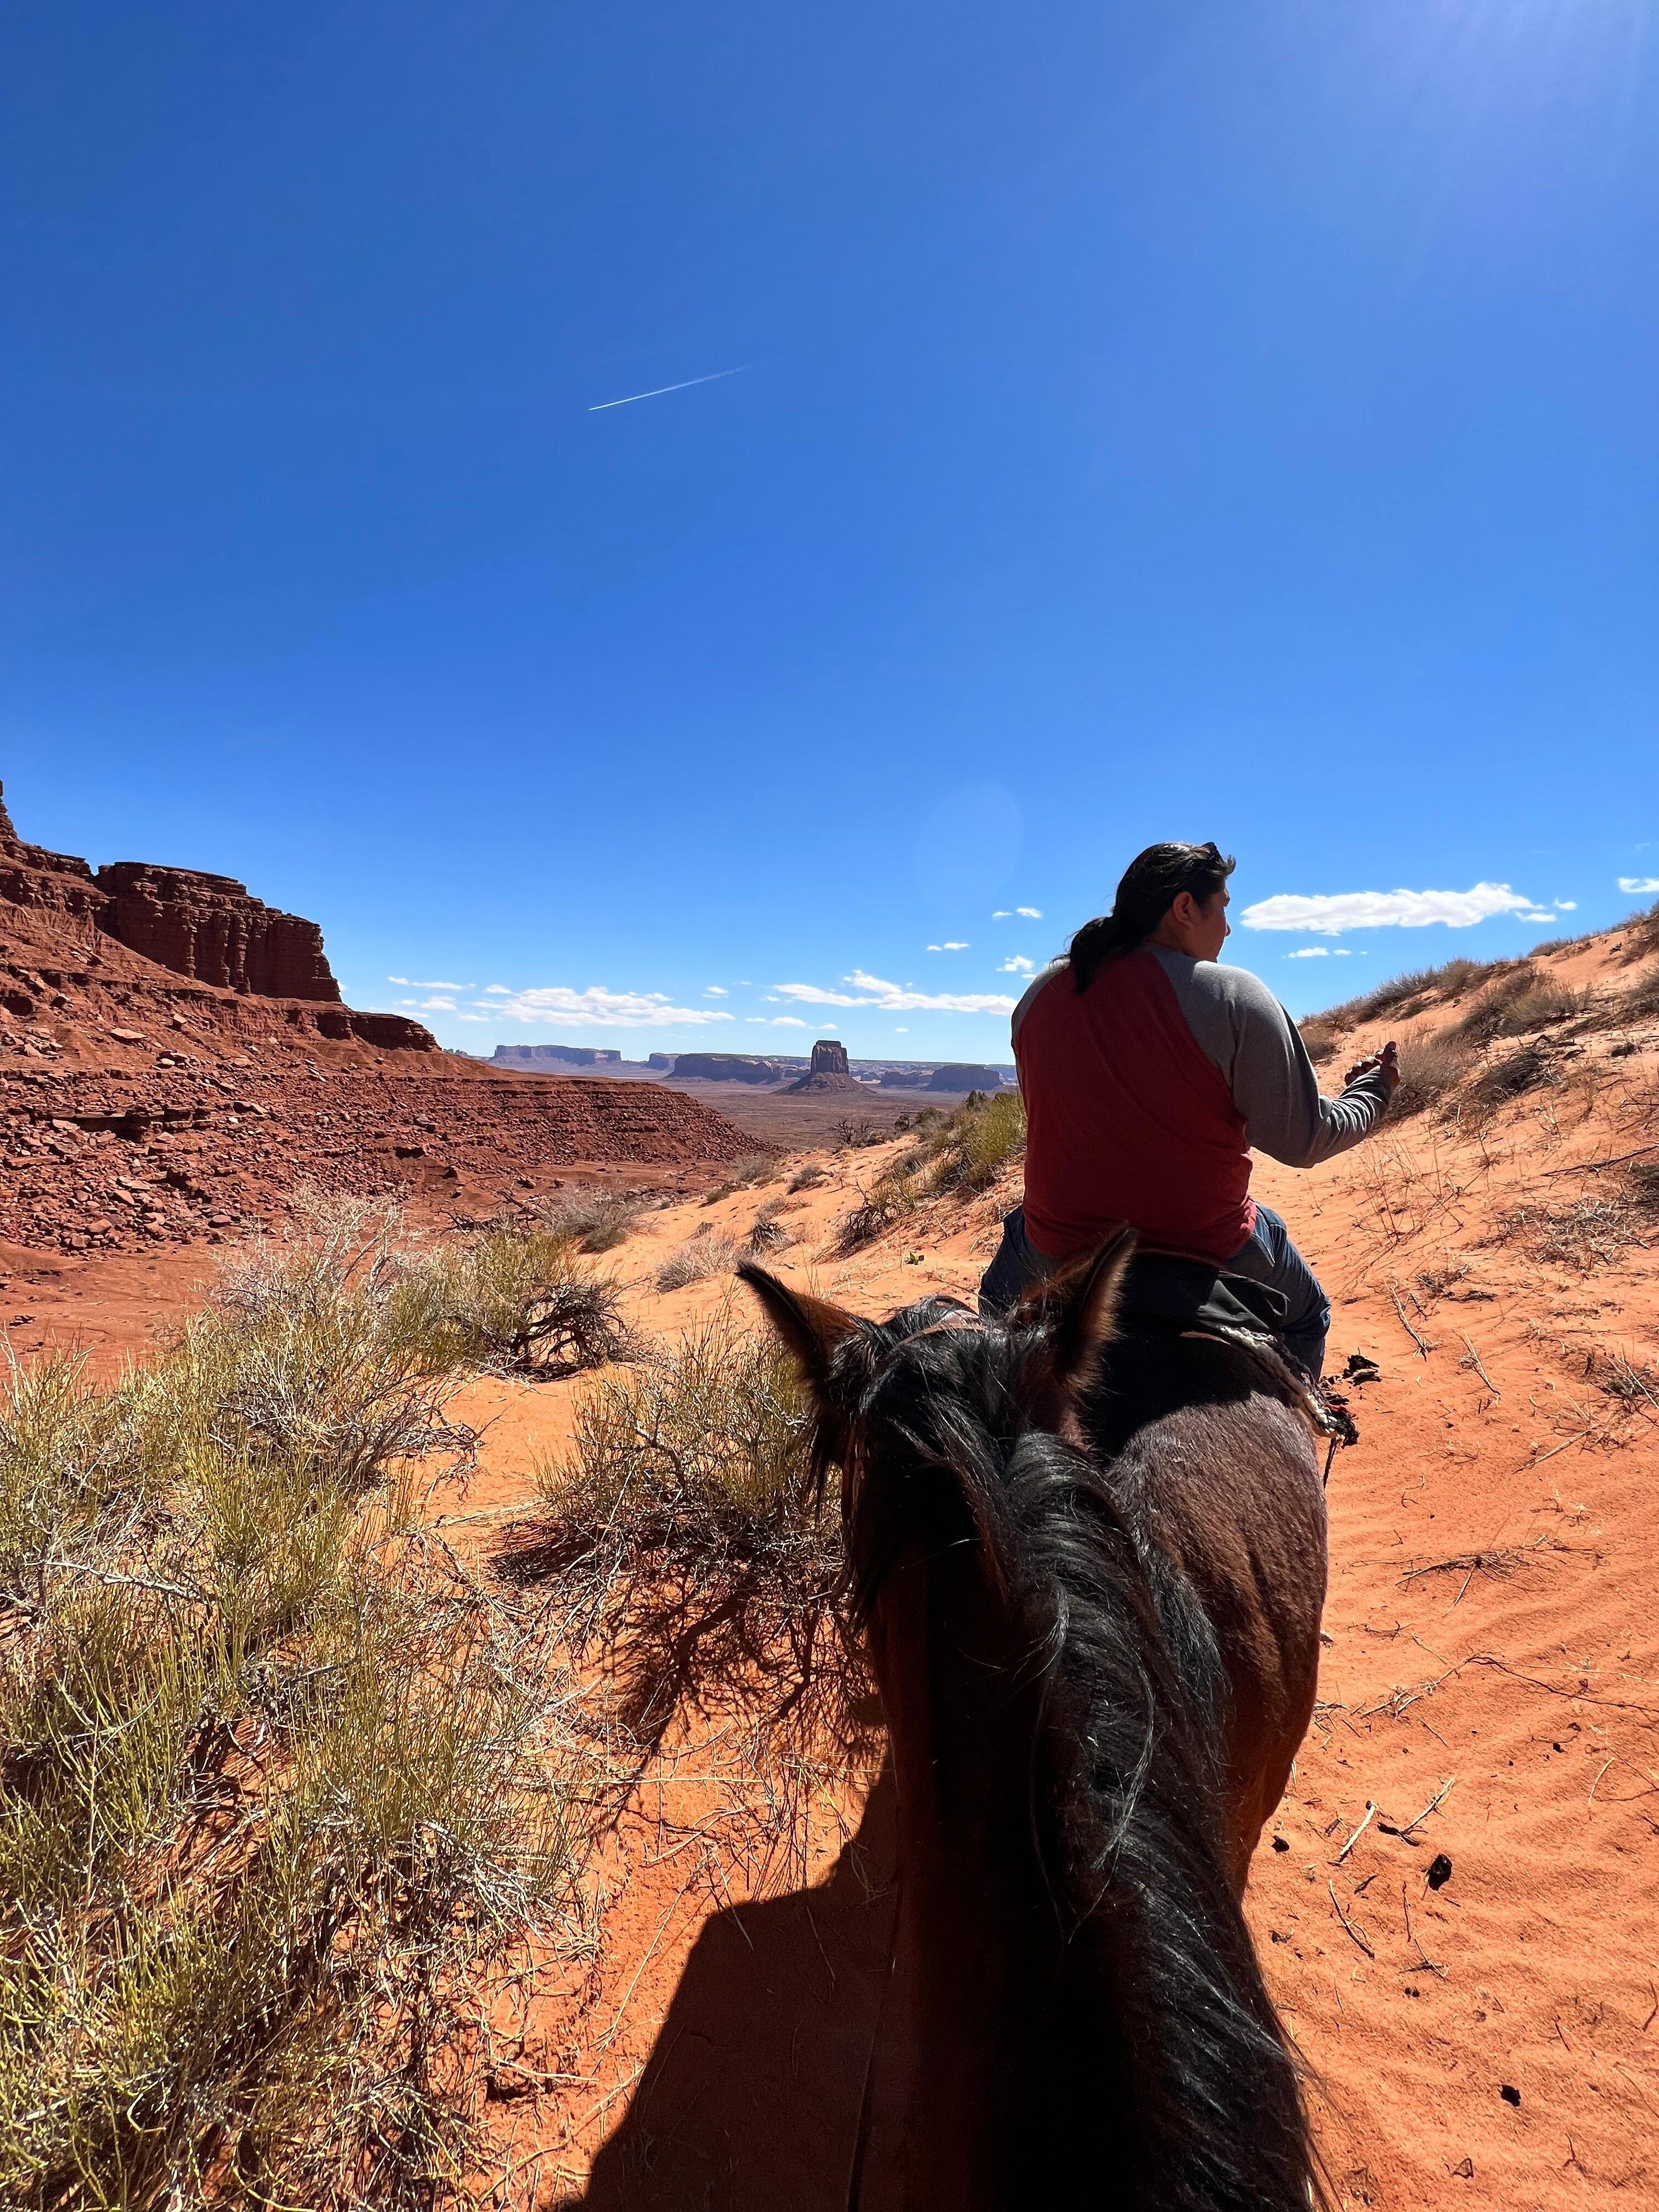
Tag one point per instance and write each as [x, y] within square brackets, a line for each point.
[661, 388]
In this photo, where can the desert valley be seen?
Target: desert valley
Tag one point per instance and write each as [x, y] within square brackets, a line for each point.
[578, 1520]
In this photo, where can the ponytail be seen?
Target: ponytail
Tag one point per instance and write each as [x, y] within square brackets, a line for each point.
[1151, 884]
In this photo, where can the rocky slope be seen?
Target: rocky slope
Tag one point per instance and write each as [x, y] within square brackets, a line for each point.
[156, 1095]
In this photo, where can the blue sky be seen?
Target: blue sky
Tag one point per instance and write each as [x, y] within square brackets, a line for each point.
[1227, 421]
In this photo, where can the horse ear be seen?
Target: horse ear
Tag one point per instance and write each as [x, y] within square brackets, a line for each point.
[810, 1328]
[1076, 1308]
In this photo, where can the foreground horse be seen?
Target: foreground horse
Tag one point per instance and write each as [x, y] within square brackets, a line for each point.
[1089, 1565]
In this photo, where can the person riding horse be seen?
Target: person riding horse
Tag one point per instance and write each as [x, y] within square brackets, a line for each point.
[1149, 1073]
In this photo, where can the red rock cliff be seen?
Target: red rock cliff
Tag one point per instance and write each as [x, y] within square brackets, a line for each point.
[209, 928]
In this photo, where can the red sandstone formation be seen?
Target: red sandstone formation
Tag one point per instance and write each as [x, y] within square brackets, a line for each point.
[828, 1071]
[207, 927]
[143, 1103]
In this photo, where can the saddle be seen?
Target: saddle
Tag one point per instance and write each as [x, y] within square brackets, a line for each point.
[1176, 1289]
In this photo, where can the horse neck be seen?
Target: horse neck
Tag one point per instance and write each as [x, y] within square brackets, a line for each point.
[1012, 2039]
[1047, 2031]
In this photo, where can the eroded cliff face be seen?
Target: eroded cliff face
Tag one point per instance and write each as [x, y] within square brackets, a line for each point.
[208, 927]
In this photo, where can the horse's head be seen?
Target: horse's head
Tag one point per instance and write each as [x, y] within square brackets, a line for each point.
[923, 1412]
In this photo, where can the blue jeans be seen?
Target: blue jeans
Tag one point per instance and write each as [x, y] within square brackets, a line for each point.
[1268, 1257]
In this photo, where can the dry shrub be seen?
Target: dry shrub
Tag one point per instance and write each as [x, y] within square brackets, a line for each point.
[1430, 1068]
[593, 1220]
[1320, 1038]
[1582, 1236]
[857, 1133]
[697, 1258]
[892, 1196]
[1513, 1076]
[682, 1530]
[1519, 1003]
[1628, 1380]
[1642, 933]
[809, 1177]
[514, 1303]
[744, 1174]
[768, 1233]
[276, 1804]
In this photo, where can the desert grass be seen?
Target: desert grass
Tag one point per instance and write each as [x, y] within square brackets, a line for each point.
[956, 1154]
[1448, 982]
[1430, 1068]
[808, 1177]
[697, 1258]
[593, 1220]
[1587, 1234]
[1642, 933]
[277, 1800]
[1519, 1003]
[744, 1174]
[978, 1140]
[891, 1198]
[690, 1554]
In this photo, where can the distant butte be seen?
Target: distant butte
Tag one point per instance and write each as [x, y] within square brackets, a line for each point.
[829, 1070]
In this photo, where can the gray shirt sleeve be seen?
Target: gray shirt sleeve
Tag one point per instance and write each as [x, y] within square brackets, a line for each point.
[1242, 1027]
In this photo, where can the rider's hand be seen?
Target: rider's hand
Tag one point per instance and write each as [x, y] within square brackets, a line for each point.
[1388, 1060]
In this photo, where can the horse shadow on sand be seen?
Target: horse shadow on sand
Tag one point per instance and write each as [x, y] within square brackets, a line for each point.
[751, 2098]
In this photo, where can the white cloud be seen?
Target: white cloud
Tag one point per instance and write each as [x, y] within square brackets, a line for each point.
[950, 945]
[715, 991]
[894, 998]
[788, 1021]
[472, 1017]
[412, 983]
[438, 1006]
[901, 1028]
[1638, 883]
[1310, 952]
[596, 1008]
[1030, 913]
[1329, 916]
[1002, 913]
[1017, 964]
[1566, 906]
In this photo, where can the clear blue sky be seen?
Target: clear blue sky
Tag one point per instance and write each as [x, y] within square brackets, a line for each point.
[1226, 420]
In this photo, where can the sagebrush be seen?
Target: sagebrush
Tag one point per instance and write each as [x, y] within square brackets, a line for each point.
[277, 1800]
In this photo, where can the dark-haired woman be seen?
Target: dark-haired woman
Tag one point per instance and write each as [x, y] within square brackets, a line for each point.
[1149, 1073]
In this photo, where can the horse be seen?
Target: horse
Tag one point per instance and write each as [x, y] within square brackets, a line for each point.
[1088, 1565]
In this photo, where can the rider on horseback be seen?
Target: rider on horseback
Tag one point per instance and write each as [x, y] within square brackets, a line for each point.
[1149, 1073]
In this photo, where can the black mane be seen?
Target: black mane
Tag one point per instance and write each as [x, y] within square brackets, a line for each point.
[926, 1416]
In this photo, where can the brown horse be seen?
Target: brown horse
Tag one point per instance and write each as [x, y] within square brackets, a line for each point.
[1089, 1565]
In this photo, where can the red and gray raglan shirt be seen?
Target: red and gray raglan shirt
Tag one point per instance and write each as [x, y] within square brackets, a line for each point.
[1145, 1095]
